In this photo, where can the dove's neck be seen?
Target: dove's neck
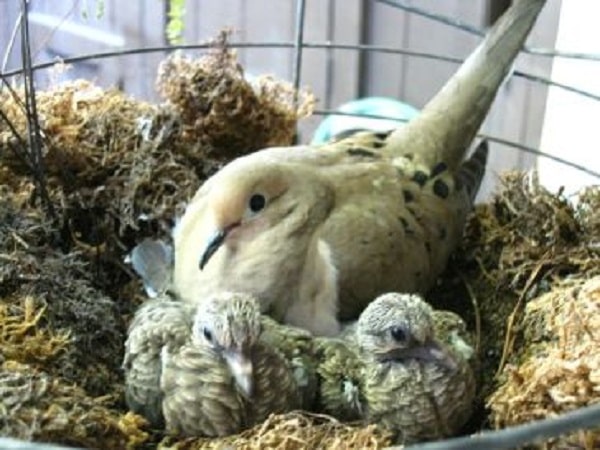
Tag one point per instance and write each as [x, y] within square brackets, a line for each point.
[315, 307]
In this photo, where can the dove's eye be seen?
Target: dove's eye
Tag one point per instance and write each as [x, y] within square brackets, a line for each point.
[398, 334]
[257, 203]
[207, 334]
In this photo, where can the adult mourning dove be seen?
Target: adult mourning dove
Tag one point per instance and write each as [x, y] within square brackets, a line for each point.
[301, 227]
[417, 379]
[206, 370]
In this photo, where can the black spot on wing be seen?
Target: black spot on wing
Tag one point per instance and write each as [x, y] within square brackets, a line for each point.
[438, 168]
[378, 144]
[382, 135]
[440, 188]
[362, 152]
[420, 178]
[408, 196]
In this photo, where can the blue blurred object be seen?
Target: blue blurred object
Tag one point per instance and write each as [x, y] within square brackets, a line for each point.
[334, 124]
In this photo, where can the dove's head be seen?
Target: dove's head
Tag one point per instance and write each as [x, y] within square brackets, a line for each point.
[246, 200]
[229, 324]
[399, 327]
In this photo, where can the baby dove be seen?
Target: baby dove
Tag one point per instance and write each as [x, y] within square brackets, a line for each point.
[205, 369]
[417, 379]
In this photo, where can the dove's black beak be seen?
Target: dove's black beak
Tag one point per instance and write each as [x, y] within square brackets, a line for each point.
[214, 242]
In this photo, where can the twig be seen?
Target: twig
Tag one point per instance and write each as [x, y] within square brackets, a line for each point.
[509, 336]
[33, 128]
[476, 310]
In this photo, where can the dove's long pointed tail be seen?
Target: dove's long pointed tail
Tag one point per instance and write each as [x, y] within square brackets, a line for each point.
[449, 122]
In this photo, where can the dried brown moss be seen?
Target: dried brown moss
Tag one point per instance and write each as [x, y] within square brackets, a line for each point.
[292, 431]
[558, 368]
[37, 406]
[220, 107]
[117, 167]
[21, 337]
[48, 298]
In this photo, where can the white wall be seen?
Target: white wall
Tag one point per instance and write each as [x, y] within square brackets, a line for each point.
[572, 123]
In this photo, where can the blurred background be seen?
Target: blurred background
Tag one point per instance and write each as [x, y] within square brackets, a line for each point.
[404, 50]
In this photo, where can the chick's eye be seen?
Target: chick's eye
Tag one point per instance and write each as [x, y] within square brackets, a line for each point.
[257, 203]
[398, 334]
[207, 334]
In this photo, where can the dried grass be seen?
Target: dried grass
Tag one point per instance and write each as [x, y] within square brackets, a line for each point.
[558, 367]
[290, 432]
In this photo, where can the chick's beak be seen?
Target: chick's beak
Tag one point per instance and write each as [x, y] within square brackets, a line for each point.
[213, 243]
[241, 369]
[428, 351]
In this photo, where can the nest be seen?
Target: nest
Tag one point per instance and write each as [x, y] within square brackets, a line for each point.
[119, 170]
[41, 407]
[290, 432]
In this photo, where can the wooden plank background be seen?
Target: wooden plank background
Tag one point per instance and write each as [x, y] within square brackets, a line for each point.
[335, 76]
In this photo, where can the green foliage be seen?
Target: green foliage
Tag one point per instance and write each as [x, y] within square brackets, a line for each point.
[174, 28]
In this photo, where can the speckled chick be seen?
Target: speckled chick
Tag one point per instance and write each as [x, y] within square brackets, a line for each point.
[317, 232]
[418, 384]
[225, 378]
